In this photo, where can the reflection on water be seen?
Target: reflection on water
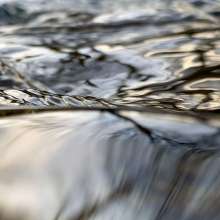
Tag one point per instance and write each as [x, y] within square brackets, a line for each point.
[142, 57]
[103, 57]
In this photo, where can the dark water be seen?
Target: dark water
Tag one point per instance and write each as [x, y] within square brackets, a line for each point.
[109, 110]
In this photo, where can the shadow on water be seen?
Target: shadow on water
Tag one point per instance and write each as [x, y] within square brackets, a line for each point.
[109, 110]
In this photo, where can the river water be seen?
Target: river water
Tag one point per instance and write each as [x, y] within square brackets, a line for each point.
[109, 109]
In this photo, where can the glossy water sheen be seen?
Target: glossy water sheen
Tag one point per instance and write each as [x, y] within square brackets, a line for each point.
[137, 87]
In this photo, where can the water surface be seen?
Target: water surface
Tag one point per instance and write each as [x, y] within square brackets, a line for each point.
[109, 109]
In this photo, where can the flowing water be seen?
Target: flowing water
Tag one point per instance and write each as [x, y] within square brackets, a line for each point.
[109, 109]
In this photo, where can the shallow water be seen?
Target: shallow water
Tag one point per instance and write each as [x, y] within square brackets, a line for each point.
[124, 96]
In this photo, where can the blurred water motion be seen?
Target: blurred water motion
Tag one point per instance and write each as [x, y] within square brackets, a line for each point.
[137, 89]
[92, 165]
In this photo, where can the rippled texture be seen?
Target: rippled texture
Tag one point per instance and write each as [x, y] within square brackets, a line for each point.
[121, 102]
[121, 55]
